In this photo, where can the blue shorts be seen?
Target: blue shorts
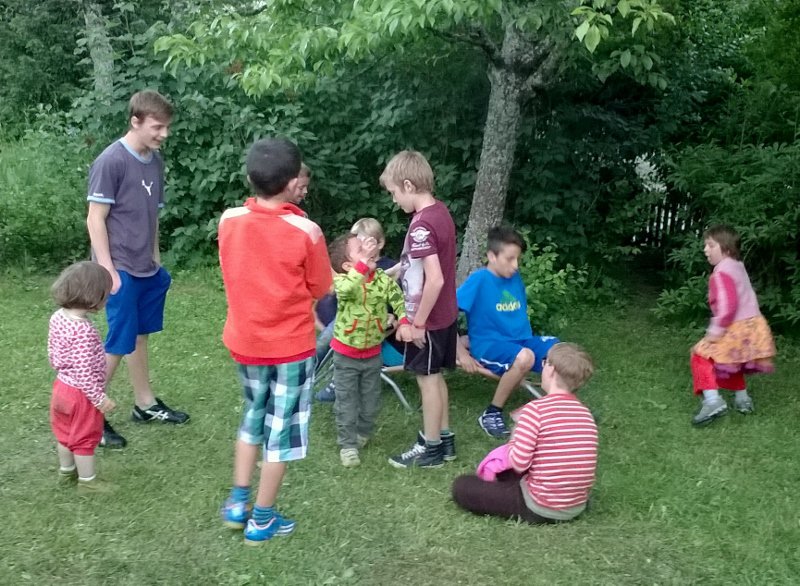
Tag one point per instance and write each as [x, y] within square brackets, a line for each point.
[277, 408]
[499, 356]
[136, 309]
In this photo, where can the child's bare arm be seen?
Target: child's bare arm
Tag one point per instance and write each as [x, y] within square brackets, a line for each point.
[434, 282]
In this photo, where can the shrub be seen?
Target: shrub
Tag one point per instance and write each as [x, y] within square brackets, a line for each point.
[43, 208]
[755, 189]
[552, 287]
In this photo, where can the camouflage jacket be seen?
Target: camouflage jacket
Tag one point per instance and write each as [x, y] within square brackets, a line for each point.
[361, 313]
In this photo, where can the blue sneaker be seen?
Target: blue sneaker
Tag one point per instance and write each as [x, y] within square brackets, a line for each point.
[285, 526]
[255, 534]
[235, 514]
[327, 395]
[492, 423]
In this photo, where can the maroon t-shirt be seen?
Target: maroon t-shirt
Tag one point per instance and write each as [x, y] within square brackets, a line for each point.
[431, 232]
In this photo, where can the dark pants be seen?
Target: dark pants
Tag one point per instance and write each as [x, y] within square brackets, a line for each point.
[502, 498]
[358, 397]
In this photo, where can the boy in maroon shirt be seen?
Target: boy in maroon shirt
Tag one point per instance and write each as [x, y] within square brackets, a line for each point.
[428, 278]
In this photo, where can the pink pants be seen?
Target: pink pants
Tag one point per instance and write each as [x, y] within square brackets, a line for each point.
[706, 378]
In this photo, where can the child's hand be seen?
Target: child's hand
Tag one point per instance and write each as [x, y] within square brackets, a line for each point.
[369, 246]
[404, 333]
[391, 321]
[418, 336]
[465, 360]
[107, 405]
[394, 271]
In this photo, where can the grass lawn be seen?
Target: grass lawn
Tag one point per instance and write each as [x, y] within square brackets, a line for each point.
[672, 504]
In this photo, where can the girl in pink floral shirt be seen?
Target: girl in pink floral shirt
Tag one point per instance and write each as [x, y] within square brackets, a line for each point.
[76, 354]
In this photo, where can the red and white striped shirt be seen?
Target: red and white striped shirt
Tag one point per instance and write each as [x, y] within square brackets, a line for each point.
[555, 445]
[76, 353]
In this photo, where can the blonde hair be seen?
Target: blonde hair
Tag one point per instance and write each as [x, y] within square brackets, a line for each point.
[305, 171]
[572, 364]
[408, 166]
[369, 227]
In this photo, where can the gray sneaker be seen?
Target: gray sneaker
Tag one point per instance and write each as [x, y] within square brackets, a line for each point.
[745, 406]
[710, 411]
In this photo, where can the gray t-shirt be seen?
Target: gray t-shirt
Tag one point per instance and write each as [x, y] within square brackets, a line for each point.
[134, 188]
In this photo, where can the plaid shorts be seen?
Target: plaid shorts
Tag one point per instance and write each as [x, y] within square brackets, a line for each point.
[277, 408]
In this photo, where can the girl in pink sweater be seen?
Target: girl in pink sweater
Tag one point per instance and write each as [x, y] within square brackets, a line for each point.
[738, 340]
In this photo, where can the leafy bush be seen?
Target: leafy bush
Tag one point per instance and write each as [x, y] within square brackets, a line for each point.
[552, 287]
[756, 189]
[43, 208]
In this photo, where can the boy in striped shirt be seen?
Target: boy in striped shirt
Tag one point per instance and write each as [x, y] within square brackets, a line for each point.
[545, 473]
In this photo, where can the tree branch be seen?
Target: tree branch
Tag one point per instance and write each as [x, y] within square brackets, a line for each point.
[542, 77]
[477, 37]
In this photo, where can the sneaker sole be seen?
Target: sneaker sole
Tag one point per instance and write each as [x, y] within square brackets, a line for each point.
[234, 525]
[113, 445]
[278, 533]
[449, 458]
[400, 466]
[253, 543]
[710, 418]
[137, 419]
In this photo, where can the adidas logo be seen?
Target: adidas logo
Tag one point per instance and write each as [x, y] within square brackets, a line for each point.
[508, 302]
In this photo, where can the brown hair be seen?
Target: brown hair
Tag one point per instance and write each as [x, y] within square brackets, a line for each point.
[337, 250]
[149, 103]
[727, 238]
[411, 166]
[83, 285]
[572, 364]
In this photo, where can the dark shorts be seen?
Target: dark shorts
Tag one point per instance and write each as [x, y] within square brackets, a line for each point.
[438, 353]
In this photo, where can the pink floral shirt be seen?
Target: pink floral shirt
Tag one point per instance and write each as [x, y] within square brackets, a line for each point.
[76, 354]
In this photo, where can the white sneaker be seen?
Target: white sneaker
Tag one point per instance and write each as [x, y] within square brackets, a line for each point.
[709, 411]
[349, 457]
[745, 405]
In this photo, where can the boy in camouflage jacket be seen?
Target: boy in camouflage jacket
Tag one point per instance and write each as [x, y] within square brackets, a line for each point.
[362, 318]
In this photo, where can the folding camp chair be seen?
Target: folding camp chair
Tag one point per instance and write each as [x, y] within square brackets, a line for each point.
[392, 362]
[532, 383]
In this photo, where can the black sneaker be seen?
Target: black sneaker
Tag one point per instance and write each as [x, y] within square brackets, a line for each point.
[448, 446]
[158, 412]
[111, 439]
[419, 456]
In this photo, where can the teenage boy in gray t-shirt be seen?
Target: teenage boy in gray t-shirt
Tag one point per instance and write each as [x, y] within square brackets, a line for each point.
[126, 191]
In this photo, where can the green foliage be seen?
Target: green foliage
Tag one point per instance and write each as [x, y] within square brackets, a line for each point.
[552, 287]
[37, 65]
[756, 189]
[43, 209]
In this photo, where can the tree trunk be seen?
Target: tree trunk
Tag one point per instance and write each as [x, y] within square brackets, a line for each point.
[497, 153]
[100, 50]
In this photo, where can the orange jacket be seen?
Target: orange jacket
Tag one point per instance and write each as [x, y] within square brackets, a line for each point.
[274, 265]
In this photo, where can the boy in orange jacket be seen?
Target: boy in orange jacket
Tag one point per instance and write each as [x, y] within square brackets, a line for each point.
[274, 265]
